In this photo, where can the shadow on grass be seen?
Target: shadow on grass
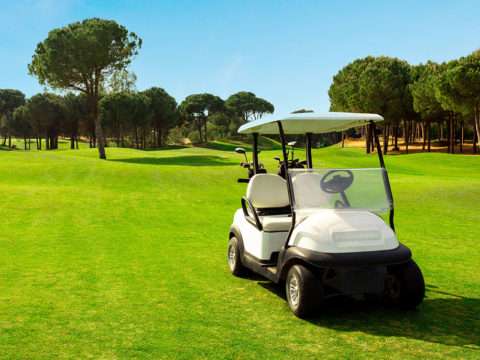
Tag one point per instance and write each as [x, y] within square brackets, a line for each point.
[451, 320]
[224, 146]
[196, 160]
[264, 144]
[168, 147]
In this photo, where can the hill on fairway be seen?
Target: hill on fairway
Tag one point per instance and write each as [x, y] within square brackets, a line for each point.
[126, 258]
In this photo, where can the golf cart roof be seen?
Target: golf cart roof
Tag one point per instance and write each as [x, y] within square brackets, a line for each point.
[309, 122]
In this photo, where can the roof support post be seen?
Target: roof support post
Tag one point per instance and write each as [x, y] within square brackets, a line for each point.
[308, 149]
[386, 181]
[288, 180]
[284, 146]
[373, 132]
[255, 153]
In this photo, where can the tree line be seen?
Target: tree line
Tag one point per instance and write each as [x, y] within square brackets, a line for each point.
[139, 119]
[419, 102]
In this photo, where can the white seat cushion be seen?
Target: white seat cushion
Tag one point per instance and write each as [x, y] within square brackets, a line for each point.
[267, 191]
[276, 223]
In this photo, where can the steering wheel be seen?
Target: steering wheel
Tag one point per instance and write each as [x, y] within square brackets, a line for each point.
[336, 181]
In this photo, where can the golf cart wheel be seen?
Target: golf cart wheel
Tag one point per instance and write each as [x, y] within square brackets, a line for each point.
[304, 291]
[234, 258]
[404, 286]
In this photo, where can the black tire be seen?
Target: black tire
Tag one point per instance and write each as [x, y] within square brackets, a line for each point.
[234, 258]
[310, 291]
[405, 286]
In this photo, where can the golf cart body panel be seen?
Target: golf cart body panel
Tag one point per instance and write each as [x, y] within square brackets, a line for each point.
[324, 226]
[343, 231]
[260, 244]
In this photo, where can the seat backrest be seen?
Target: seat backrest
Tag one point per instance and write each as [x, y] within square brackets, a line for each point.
[268, 191]
[308, 193]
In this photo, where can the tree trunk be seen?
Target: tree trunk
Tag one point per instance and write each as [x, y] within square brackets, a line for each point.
[477, 122]
[395, 145]
[429, 141]
[475, 141]
[385, 138]
[136, 137]
[5, 140]
[205, 131]
[72, 142]
[405, 133]
[448, 134]
[475, 136]
[343, 139]
[424, 138]
[9, 141]
[199, 127]
[452, 134]
[462, 135]
[367, 139]
[413, 132]
[25, 143]
[99, 131]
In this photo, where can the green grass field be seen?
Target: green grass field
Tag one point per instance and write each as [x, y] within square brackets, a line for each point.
[125, 258]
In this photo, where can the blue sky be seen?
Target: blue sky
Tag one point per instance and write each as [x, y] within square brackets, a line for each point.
[284, 51]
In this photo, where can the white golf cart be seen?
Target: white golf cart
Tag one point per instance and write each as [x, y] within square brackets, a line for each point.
[321, 231]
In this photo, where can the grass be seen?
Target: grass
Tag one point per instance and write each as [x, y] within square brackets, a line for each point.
[125, 258]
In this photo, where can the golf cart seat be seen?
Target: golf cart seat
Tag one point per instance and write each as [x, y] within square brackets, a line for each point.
[267, 194]
[276, 223]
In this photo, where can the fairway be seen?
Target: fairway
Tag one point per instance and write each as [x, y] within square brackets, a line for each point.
[126, 258]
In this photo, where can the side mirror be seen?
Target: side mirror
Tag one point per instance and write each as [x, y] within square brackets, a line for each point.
[292, 143]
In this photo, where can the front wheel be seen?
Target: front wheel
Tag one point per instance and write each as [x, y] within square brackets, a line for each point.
[304, 291]
[234, 258]
[405, 286]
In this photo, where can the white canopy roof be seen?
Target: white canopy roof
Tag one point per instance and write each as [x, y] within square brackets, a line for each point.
[311, 122]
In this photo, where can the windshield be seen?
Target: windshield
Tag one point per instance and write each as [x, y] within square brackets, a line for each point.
[341, 188]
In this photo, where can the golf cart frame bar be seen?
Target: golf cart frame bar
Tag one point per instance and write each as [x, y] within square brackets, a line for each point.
[308, 155]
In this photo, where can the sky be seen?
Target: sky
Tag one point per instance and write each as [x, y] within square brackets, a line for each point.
[284, 51]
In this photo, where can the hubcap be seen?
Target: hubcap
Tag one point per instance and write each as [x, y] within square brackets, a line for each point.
[293, 291]
[232, 257]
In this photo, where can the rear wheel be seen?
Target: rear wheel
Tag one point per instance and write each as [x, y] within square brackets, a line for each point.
[304, 291]
[405, 286]
[234, 258]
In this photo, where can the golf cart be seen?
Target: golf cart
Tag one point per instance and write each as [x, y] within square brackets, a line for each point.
[321, 231]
